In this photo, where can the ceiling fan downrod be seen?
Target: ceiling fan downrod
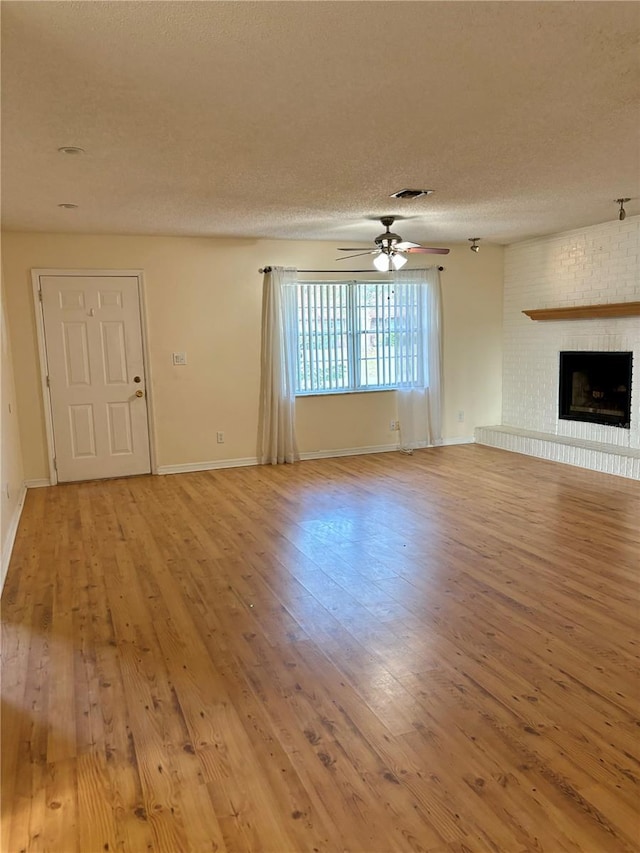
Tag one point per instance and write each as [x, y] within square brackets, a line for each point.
[388, 239]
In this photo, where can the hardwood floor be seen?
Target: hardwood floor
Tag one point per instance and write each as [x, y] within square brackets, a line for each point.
[386, 653]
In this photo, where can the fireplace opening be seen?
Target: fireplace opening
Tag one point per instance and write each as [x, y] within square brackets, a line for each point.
[596, 387]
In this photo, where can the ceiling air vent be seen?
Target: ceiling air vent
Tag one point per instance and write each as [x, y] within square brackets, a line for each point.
[410, 193]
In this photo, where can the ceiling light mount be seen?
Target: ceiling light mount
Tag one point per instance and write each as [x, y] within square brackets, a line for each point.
[474, 243]
[622, 212]
[67, 205]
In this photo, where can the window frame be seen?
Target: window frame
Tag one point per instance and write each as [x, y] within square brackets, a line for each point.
[355, 336]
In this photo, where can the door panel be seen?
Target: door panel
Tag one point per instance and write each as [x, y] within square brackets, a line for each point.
[71, 299]
[93, 340]
[83, 431]
[120, 439]
[76, 353]
[114, 353]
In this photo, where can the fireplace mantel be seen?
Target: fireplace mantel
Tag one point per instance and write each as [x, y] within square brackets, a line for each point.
[586, 312]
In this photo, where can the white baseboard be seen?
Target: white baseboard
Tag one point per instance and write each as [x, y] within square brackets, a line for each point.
[253, 460]
[465, 439]
[11, 538]
[380, 448]
[348, 451]
[37, 484]
[190, 467]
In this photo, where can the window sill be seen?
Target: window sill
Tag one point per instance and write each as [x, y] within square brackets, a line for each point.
[303, 394]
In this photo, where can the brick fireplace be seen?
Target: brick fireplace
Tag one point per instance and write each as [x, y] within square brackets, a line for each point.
[599, 265]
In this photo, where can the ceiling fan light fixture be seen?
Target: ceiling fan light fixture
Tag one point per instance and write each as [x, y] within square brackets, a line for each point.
[390, 248]
[622, 213]
[474, 243]
[382, 262]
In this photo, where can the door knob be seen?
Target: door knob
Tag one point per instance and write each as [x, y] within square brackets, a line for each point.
[136, 379]
[139, 393]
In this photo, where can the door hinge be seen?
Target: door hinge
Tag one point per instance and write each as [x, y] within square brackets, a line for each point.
[48, 383]
[55, 463]
[40, 295]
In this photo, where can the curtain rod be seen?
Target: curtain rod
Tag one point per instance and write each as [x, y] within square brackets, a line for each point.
[378, 272]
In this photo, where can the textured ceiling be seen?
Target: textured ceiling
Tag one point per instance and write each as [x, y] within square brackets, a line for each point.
[296, 120]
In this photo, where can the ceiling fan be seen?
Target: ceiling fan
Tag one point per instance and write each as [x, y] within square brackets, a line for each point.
[391, 249]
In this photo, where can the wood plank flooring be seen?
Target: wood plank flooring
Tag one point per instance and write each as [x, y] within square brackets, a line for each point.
[434, 653]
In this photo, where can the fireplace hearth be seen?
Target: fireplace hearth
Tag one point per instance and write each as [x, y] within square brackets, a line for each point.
[595, 387]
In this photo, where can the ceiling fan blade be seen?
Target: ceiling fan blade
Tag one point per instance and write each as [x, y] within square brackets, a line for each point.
[424, 250]
[407, 244]
[352, 249]
[359, 255]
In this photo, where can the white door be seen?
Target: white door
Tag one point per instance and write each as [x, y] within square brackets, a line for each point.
[93, 340]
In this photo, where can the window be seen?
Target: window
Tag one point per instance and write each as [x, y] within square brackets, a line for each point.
[356, 336]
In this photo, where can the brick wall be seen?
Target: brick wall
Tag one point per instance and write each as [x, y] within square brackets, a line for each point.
[591, 265]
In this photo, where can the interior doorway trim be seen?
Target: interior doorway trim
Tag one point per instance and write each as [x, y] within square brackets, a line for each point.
[42, 354]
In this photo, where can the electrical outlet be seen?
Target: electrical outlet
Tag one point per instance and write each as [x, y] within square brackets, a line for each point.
[179, 358]
[461, 416]
[394, 425]
[220, 437]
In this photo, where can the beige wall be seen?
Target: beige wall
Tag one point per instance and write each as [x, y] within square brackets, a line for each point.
[11, 470]
[204, 297]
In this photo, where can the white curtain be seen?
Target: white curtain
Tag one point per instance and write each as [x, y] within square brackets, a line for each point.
[418, 302]
[277, 432]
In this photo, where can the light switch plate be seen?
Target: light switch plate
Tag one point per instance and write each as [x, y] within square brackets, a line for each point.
[179, 358]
